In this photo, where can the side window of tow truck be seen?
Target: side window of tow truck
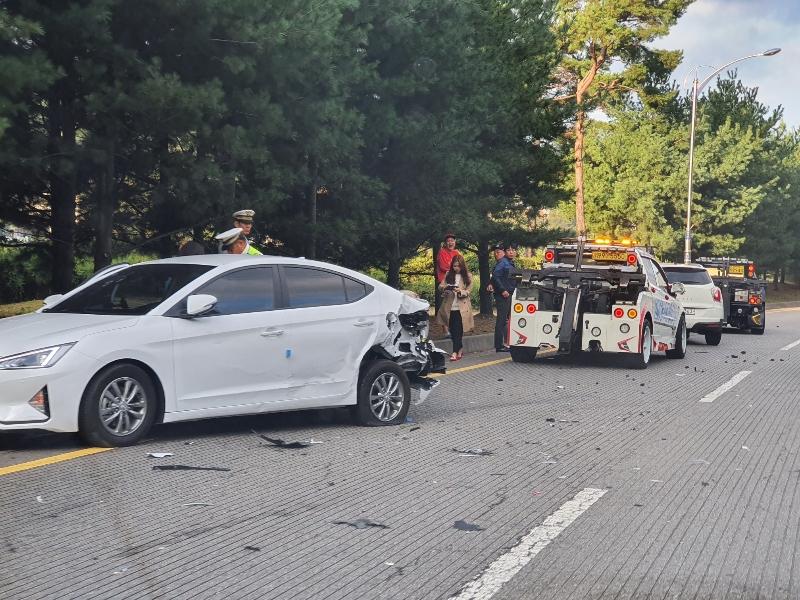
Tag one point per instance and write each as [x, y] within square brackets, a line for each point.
[650, 271]
[661, 279]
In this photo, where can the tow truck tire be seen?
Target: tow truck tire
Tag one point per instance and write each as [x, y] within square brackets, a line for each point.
[713, 338]
[384, 395]
[642, 359]
[522, 354]
[680, 341]
[760, 330]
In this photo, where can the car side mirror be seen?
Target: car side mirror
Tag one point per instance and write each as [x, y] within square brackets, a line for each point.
[50, 300]
[678, 288]
[199, 304]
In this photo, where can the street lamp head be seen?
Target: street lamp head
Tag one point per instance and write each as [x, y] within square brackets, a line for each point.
[771, 52]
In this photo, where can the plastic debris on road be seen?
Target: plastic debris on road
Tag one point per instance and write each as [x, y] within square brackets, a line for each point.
[284, 445]
[472, 452]
[197, 504]
[253, 548]
[362, 524]
[464, 526]
[159, 454]
[187, 468]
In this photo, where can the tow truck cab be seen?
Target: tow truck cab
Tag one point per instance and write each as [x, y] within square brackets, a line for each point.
[744, 295]
[595, 296]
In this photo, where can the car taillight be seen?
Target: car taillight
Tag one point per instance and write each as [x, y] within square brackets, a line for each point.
[531, 308]
[755, 299]
[632, 260]
[716, 295]
[549, 255]
[619, 313]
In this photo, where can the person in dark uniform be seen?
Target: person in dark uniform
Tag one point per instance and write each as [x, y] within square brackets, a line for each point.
[502, 287]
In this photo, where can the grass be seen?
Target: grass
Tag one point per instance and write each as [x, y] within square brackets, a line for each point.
[19, 308]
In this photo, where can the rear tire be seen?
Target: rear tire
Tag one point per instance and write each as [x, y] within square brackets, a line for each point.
[713, 338]
[760, 330]
[522, 354]
[680, 341]
[384, 395]
[642, 359]
[118, 407]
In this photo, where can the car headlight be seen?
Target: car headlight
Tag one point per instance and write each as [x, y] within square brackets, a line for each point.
[36, 359]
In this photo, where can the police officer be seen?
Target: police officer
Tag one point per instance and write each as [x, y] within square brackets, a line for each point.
[244, 220]
[234, 241]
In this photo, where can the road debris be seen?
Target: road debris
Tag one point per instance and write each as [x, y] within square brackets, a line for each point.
[284, 445]
[700, 461]
[159, 454]
[121, 570]
[197, 504]
[40, 500]
[464, 526]
[415, 428]
[362, 524]
[187, 468]
[472, 452]
[253, 548]
[745, 448]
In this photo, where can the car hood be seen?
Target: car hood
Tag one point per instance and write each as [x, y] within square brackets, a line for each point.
[39, 330]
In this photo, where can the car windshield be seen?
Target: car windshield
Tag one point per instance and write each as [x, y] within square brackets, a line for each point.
[687, 275]
[132, 291]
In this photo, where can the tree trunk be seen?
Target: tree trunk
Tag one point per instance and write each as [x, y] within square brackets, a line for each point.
[580, 219]
[311, 237]
[106, 204]
[437, 295]
[393, 274]
[485, 276]
[783, 274]
[63, 184]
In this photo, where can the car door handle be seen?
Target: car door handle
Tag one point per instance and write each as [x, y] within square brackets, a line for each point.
[364, 324]
[272, 333]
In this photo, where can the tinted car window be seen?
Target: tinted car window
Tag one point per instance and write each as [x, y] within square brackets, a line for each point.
[687, 275]
[132, 291]
[314, 287]
[355, 290]
[242, 291]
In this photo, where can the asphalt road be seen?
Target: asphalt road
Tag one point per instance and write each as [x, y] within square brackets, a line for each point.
[552, 480]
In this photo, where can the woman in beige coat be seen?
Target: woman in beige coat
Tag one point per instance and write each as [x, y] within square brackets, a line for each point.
[455, 312]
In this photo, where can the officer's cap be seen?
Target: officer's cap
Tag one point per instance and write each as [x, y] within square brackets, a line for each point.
[244, 216]
[499, 246]
[227, 238]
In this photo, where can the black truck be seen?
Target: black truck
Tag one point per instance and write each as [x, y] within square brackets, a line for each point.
[744, 295]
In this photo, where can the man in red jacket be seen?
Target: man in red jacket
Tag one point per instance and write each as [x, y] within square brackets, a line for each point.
[443, 259]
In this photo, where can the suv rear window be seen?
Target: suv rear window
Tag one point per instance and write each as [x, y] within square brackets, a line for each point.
[687, 275]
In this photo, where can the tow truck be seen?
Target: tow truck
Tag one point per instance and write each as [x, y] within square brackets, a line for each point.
[596, 295]
[744, 295]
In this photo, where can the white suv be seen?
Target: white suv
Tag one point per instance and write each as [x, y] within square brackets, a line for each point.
[702, 300]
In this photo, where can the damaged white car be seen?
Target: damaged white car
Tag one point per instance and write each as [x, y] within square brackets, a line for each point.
[213, 336]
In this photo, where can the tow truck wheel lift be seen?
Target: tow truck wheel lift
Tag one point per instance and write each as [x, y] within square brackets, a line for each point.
[575, 296]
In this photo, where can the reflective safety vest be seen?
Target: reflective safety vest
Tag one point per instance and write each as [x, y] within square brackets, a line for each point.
[252, 251]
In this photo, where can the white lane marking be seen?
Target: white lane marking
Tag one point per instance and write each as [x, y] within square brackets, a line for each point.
[790, 346]
[509, 564]
[725, 386]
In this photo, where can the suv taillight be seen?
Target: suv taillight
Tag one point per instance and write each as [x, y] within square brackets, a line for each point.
[717, 295]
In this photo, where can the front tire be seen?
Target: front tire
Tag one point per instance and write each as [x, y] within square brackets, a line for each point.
[642, 359]
[384, 395]
[118, 407]
[713, 338]
[522, 355]
[680, 341]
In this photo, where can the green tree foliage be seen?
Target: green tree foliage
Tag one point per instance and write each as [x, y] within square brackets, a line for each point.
[605, 58]
[745, 176]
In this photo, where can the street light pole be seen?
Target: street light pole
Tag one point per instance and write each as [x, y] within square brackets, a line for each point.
[697, 87]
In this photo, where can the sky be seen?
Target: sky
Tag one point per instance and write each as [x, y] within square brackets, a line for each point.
[714, 32]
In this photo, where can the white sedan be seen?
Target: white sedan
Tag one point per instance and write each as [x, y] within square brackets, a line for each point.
[211, 336]
[701, 299]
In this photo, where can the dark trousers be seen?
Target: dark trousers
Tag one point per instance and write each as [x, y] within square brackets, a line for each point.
[456, 330]
[501, 324]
